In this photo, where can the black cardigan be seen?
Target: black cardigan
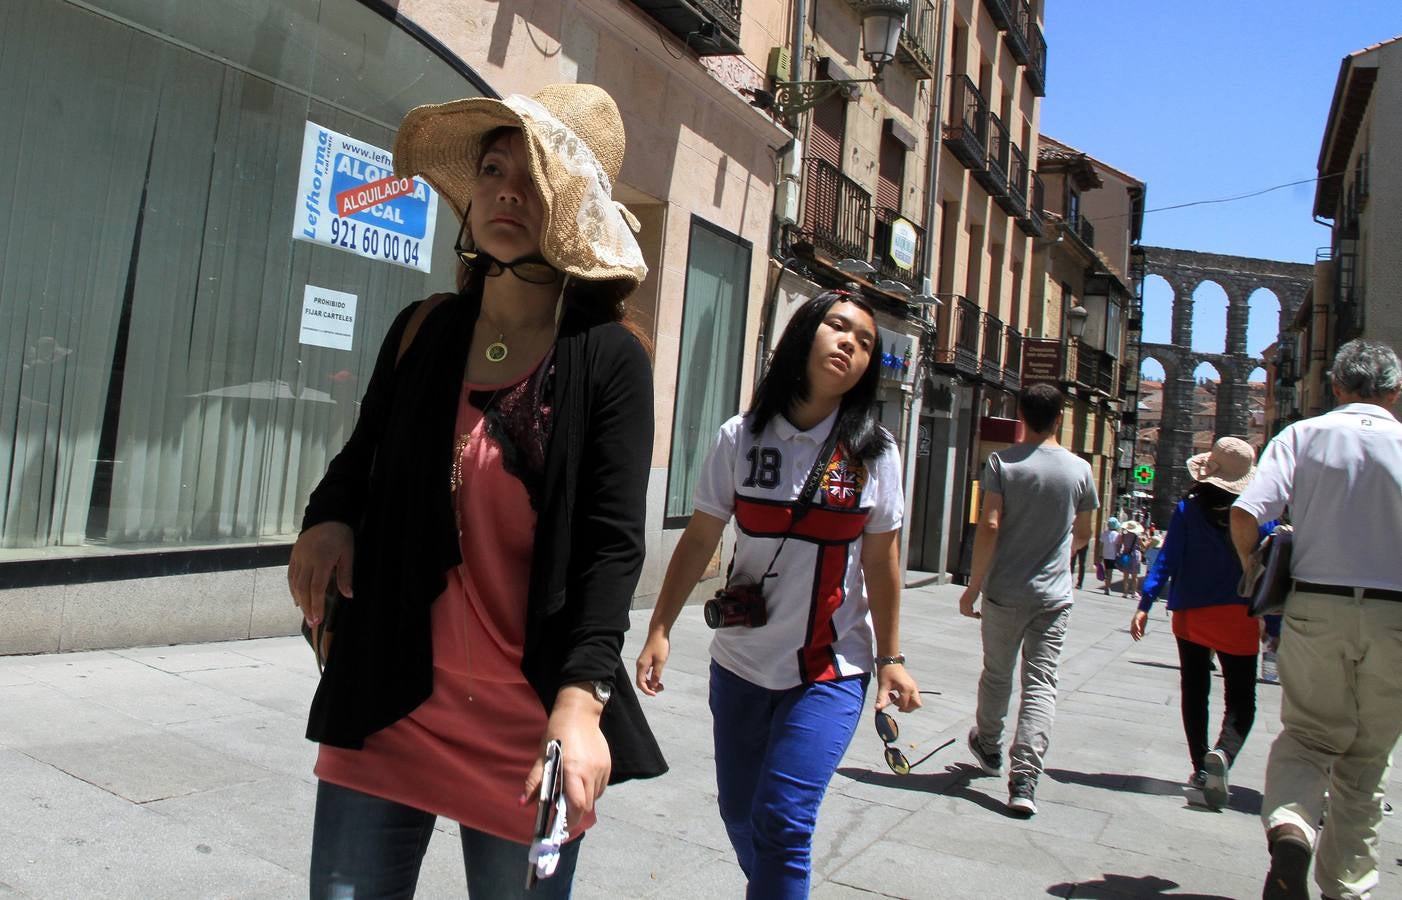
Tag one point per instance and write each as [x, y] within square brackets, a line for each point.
[390, 483]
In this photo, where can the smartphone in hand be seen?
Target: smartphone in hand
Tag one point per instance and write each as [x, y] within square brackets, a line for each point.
[551, 824]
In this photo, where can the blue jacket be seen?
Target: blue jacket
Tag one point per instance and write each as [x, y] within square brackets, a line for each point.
[1200, 561]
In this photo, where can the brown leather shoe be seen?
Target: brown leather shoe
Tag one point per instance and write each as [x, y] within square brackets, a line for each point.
[1288, 878]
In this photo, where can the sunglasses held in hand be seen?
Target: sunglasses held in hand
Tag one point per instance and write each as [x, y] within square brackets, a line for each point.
[889, 731]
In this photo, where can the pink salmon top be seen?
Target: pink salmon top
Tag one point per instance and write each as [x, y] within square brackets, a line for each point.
[466, 751]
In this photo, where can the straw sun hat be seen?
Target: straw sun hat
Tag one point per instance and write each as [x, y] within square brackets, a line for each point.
[574, 141]
[1230, 464]
[1132, 527]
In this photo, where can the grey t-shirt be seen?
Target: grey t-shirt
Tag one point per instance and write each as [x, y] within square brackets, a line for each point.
[1044, 486]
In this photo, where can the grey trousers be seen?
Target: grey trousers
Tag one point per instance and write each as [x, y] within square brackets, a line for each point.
[1037, 629]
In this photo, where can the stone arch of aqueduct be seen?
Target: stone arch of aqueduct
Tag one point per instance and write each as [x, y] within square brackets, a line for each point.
[1239, 277]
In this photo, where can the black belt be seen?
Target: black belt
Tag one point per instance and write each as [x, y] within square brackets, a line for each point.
[1339, 590]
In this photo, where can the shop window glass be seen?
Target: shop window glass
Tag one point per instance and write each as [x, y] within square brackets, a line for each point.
[708, 371]
[153, 393]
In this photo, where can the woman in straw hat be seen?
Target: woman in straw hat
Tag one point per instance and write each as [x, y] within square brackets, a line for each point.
[814, 484]
[1131, 558]
[1208, 615]
[492, 496]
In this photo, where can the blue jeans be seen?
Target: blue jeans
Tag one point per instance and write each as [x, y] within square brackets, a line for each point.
[369, 847]
[775, 754]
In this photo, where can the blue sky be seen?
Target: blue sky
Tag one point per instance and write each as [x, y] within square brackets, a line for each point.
[1206, 100]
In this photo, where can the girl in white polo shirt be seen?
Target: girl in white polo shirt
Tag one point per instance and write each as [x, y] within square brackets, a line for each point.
[790, 661]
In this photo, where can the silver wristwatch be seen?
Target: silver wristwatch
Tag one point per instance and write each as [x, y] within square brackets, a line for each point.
[603, 690]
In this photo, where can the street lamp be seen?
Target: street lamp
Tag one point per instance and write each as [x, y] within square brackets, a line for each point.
[1076, 321]
[882, 22]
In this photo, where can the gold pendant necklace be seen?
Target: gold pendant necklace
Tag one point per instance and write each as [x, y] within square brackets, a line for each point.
[497, 350]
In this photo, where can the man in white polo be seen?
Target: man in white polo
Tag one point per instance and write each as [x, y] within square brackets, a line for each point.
[1340, 660]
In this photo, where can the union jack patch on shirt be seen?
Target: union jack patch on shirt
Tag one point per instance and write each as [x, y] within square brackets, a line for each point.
[843, 481]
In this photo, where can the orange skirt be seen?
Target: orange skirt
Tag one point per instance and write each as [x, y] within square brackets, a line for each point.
[1225, 628]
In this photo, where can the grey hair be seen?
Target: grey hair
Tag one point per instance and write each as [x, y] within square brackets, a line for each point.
[1366, 369]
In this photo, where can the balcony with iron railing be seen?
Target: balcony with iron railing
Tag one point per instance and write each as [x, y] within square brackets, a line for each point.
[1002, 13]
[916, 49]
[994, 333]
[836, 212]
[994, 176]
[1016, 35]
[1105, 374]
[1012, 361]
[891, 243]
[959, 336]
[966, 135]
[1036, 66]
[1095, 369]
[709, 27]
[1014, 202]
[1082, 228]
[1031, 221]
[1348, 297]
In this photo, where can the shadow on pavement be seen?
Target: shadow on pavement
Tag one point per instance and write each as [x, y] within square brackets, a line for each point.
[952, 782]
[1243, 799]
[1156, 665]
[1116, 887]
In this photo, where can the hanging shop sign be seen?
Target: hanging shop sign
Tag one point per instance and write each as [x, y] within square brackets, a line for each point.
[1041, 361]
[903, 239]
[349, 198]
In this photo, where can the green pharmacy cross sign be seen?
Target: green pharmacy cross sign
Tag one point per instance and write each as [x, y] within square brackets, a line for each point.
[1144, 474]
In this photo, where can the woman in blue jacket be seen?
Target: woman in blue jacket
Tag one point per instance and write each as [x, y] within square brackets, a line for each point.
[1208, 615]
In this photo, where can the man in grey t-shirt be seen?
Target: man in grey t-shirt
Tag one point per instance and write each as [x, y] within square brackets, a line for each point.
[1037, 502]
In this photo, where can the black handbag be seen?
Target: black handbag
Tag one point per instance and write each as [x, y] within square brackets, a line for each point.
[1266, 580]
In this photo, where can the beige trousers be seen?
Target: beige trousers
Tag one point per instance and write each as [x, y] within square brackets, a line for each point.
[1340, 668]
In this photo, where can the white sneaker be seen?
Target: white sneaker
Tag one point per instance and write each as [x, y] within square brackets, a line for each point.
[1217, 790]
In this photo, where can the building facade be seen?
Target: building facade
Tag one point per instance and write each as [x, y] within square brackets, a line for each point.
[1358, 277]
[985, 214]
[1087, 262]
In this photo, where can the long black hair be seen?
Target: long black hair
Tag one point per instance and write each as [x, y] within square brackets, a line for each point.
[1216, 503]
[785, 383]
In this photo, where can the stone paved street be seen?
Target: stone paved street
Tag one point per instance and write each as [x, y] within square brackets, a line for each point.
[181, 772]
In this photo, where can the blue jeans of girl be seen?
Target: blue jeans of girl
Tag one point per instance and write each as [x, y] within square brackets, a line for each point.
[365, 846]
[776, 751]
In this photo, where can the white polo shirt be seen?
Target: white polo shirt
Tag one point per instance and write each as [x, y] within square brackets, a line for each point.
[819, 626]
[1341, 476]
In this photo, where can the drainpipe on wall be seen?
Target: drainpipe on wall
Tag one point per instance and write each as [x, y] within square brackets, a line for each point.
[932, 177]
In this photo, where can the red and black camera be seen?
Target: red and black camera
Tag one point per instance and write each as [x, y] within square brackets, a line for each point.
[737, 606]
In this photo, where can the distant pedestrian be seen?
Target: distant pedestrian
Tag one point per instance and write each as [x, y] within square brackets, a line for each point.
[812, 601]
[1209, 617]
[1340, 660]
[1037, 503]
[1131, 558]
[1109, 550]
[1078, 565]
[1155, 545]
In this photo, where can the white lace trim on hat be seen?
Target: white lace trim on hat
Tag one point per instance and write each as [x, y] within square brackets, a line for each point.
[605, 223]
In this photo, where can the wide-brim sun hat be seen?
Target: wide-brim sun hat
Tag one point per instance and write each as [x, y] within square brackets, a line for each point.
[1230, 464]
[1132, 527]
[574, 143]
